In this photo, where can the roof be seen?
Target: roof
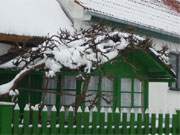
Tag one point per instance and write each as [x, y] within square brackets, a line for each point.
[148, 14]
[32, 17]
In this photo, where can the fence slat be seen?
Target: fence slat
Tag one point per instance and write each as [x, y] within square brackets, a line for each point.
[160, 124]
[111, 126]
[167, 123]
[62, 120]
[54, 130]
[124, 123]
[26, 119]
[132, 123]
[175, 124]
[16, 119]
[117, 121]
[153, 123]
[35, 121]
[140, 123]
[146, 123]
[70, 120]
[86, 121]
[95, 121]
[6, 114]
[44, 115]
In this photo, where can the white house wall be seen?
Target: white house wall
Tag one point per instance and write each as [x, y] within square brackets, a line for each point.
[161, 99]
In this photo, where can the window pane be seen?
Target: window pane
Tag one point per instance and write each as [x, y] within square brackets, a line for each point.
[137, 99]
[125, 99]
[93, 83]
[69, 82]
[137, 85]
[68, 98]
[49, 84]
[178, 73]
[106, 99]
[173, 59]
[107, 84]
[90, 97]
[49, 99]
[126, 85]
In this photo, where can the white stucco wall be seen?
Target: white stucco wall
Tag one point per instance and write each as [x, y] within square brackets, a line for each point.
[161, 99]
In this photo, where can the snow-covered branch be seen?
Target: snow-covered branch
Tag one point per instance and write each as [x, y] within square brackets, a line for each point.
[84, 51]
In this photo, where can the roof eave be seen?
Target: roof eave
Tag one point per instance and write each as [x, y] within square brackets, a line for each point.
[174, 35]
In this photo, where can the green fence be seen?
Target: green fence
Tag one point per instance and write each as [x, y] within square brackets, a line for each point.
[65, 121]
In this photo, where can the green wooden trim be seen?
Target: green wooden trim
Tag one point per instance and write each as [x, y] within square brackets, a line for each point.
[99, 93]
[132, 92]
[116, 93]
[146, 94]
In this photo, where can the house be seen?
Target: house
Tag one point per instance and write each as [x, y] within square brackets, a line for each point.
[126, 86]
[153, 19]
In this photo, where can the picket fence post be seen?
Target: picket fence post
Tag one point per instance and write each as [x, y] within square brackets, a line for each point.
[6, 112]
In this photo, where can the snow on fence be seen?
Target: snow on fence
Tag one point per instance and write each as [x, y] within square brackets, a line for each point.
[85, 121]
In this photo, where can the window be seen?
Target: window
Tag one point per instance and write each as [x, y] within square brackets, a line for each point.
[103, 94]
[126, 92]
[92, 91]
[174, 61]
[50, 87]
[106, 91]
[131, 93]
[68, 84]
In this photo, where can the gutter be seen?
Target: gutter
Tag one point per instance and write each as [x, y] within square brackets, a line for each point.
[135, 24]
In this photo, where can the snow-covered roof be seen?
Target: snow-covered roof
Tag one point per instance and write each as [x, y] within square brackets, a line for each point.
[32, 17]
[147, 14]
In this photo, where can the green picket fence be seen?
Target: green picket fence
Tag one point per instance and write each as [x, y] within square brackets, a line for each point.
[67, 122]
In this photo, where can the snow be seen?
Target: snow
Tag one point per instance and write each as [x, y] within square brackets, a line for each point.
[149, 14]
[32, 17]
[85, 51]
[6, 103]
[5, 88]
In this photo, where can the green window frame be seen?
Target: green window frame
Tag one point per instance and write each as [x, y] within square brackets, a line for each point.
[175, 63]
[130, 93]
